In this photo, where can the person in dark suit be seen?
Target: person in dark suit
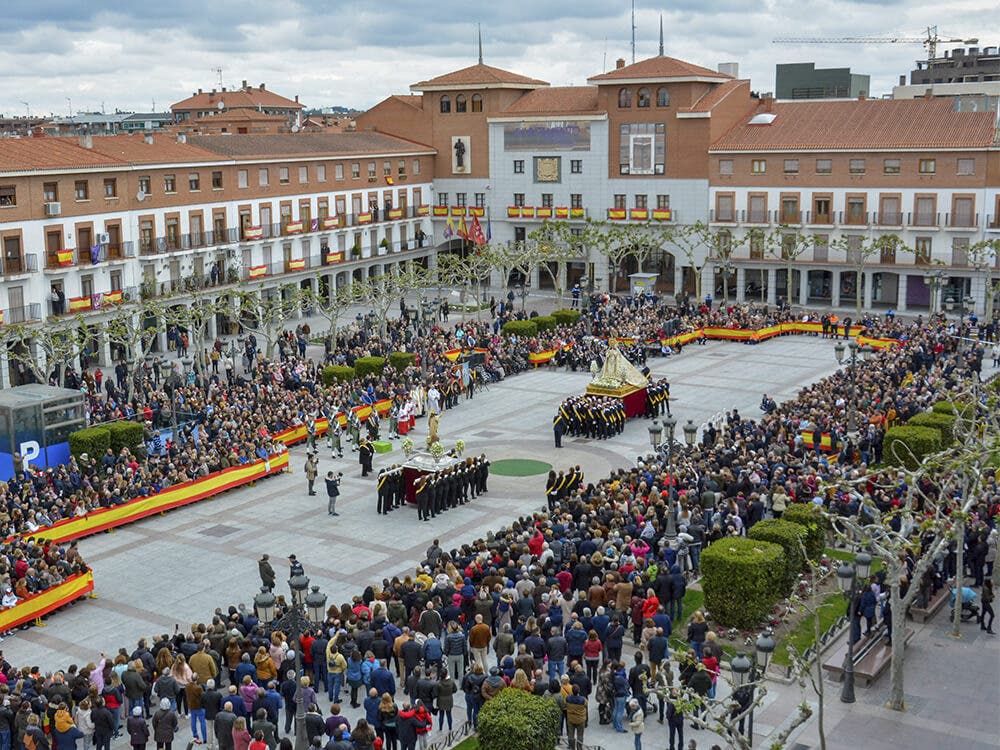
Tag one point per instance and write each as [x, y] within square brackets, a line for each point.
[366, 452]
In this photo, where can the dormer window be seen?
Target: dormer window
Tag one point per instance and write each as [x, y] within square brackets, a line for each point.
[624, 98]
[662, 97]
[477, 103]
[445, 105]
[643, 98]
[460, 105]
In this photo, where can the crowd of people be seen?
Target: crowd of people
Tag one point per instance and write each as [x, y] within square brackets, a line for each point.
[30, 566]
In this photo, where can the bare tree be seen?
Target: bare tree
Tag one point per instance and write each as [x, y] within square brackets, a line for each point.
[695, 242]
[466, 273]
[195, 317]
[983, 256]
[56, 344]
[329, 307]
[267, 316]
[382, 292]
[862, 251]
[553, 242]
[133, 328]
[788, 246]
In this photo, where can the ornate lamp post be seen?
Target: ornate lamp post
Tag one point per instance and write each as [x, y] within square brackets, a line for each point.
[866, 352]
[746, 673]
[655, 434]
[305, 610]
[847, 580]
[690, 433]
[670, 424]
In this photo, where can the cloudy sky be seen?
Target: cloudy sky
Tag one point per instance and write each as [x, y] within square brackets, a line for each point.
[55, 53]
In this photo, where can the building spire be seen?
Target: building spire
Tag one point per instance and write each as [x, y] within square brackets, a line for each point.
[479, 32]
[661, 35]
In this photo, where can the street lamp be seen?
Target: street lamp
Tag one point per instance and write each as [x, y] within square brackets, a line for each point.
[727, 269]
[167, 376]
[655, 434]
[746, 673]
[847, 581]
[865, 351]
[690, 433]
[304, 611]
[670, 424]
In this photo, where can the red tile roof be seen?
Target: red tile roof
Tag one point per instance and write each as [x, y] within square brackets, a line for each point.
[557, 100]
[478, 75]
[715, 96]
[411, 100]
[862, 124]
[660, 67]
[165, 149]
[24, 154]
[291, 145]
[235, 99]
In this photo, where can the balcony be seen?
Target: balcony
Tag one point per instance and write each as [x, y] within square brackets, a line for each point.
[119, 251]
[790, 218]
[756, 216]
[855, 218]
[824, 219]
[60, 260]
[721, 217]
[26, 314]
[993, 224]
[925, 220]
[19, 264]
[889, 219]
[962, 221]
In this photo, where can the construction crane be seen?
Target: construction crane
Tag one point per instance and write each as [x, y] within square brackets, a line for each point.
[931, 40]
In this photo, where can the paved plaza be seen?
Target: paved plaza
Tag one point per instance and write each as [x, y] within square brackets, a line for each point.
[177, 568]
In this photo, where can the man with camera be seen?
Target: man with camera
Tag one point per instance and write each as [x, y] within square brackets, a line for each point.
[333, 491]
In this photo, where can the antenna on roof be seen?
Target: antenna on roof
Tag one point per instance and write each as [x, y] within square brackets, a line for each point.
[633, 31]
[604, 64]
[219, 72]
[479, 32]
[661, 35]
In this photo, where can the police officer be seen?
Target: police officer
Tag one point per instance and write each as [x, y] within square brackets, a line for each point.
[384, 491]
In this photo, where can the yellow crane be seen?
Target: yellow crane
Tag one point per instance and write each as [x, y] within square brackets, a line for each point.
[930, 40]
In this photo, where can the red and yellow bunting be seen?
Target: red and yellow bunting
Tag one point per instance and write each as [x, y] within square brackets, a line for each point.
[112, 298]
[477, 211]
[825, 441]
[257, 272]
[661, 214]
[293, 227]
[38, 605]
[440, 210]
[543, 212]
[577, 213]
[562, 212]
[617, 214]
[458, 210]
[639, 214]
[80, 304]
[65, 257]
[331, 222]
[334, 256]
[423, 210]
[395, 213]
[253, 233]
[365, 218]
[513, 212]
[527, 212]
[296, 264]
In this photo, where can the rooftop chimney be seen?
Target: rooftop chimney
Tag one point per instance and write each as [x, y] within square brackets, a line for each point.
[730, 69]
[296, 98]
[244, 83]
[212, 95]
[86, 140]
[181, 138]
[902, 80]
[148, 138]
[619, 63]
[262, 87]
[223, 89]
[199, 91]
[767, 102]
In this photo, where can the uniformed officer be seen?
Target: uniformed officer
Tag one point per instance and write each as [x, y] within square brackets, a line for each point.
[384, 491]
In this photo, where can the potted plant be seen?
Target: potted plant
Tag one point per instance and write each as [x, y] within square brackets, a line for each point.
[356, 250]
[383, 246]
[437, 451]
[459, 447]
[407, 446]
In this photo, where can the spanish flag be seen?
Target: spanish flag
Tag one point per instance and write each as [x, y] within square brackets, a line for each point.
[513, 211]
[639, 214]
[562, 212]
[112, 298]
[79, 304]
[423, 210]
[296, 264]
[257, 272]
[661, 214]
[389, 181]
[65, 257]
[463, 230]
[616, 214]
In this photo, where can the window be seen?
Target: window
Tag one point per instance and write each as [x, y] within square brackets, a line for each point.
[576, 200]
[619, 200]
[890, 166]
[460, 105]
[460, 199]
[355, 170]
[922, 250]
[518, 199]
[791, 166]
[518, 166]
[824, 166]
[243, 178]
[928, 166]
[194, 181]
[50, 192]
[576, 166]
[216, 180]
[262, 177]
[321, 173]
[790, 210]
[821, 211]
[387, 169]
[758, 166]
[303, 175]
[966, 166]
[663, 202]
[889, 214]
[8, 196]
[725, 166]
[371, 170]
[110, 187]
[416, 166]
[442, 199]
[401, 167]
[925, 212]
[856, 166]
[81, 190]
[445, 105]
[758, 209]
[963, 213]
[725, 208]
[477, 103]
[546, 200]
[642, 148]
[282, 175]
[624, 98]
[856, 211]
[723, 243]
[662, 97]
[640, 201]
[643, 97]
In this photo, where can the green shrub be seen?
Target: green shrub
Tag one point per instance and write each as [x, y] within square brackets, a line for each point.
[962, 409]
[337, 374]
[516, 720]
[907, 446]
[401, 360]
[792, 539]
[125, 435]
[94, 441]
[369, 366]
[520, 328]
[545, 323]
[566, 317]
[811, 518]
[742, 579]
[943, 423]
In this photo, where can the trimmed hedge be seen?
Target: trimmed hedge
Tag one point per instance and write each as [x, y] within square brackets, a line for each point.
[401, 360]
[545, 322]
[369, 366]
[943, 423]
[125, 435]
[566, 317]
[517, 720]
[952, 408]
[520, 328]
[742, 579]
[811, 518]
[94, 441]
[337, 373]
[907, 446]
[792, 539]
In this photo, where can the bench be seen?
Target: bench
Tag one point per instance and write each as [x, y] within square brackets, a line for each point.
[868, 669]
[835, 664]
[923, 614]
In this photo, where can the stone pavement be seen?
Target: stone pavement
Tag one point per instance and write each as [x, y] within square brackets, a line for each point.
[177, 568]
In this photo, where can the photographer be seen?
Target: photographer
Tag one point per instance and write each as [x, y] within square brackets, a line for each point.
[333, 491]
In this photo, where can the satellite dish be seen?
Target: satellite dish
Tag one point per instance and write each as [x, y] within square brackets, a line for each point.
[221, 105]
[140, 196]
[296, 128]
